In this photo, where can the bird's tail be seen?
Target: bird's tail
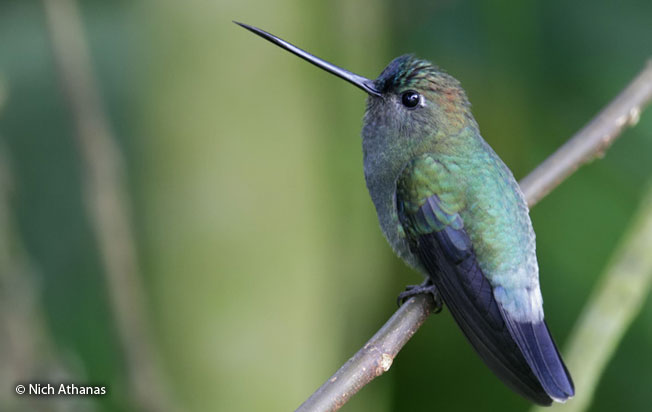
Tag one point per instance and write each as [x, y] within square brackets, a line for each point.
[540, 351]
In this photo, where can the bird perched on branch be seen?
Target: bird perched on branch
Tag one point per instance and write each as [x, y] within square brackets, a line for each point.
[451, 209]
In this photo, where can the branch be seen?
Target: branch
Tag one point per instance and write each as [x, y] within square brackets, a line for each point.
[592, 140]
[27, 348]
[615, 301]
[107, 203]
[374, 358]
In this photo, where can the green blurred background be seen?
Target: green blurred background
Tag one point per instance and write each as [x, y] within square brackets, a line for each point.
[262, 262]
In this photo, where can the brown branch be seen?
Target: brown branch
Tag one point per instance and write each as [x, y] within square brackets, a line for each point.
[592, 140]
[107, 203]
[377, 355]
[374, 358]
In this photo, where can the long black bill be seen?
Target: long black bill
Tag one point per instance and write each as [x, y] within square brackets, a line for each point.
[362, 82]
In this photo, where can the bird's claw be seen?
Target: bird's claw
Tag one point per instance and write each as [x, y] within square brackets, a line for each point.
[425, 287]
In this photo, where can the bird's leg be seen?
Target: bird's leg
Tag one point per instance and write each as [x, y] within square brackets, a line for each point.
[426, 287]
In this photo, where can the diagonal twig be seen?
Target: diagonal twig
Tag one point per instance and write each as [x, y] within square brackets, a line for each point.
[107, 203]
[27, 348]
[592, 140]
[616, 299]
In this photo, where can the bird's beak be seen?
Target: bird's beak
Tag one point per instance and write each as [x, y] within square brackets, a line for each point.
[362, 82]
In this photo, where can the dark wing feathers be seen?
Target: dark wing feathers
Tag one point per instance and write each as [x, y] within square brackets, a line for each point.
[540, 350]
[508, 349]
[470, 301]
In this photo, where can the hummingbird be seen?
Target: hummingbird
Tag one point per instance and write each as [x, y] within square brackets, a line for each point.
[453, 211]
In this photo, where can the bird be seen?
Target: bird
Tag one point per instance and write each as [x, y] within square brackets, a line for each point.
[452, 210]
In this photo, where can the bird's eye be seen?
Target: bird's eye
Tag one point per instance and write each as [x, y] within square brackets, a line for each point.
[410, 99]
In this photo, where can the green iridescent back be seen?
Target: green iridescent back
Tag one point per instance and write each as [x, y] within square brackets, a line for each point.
[438, 150]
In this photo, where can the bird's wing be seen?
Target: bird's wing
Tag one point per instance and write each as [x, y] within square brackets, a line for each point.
[436, 233]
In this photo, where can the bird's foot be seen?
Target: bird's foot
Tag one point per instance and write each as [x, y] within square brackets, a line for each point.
[425, 287]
